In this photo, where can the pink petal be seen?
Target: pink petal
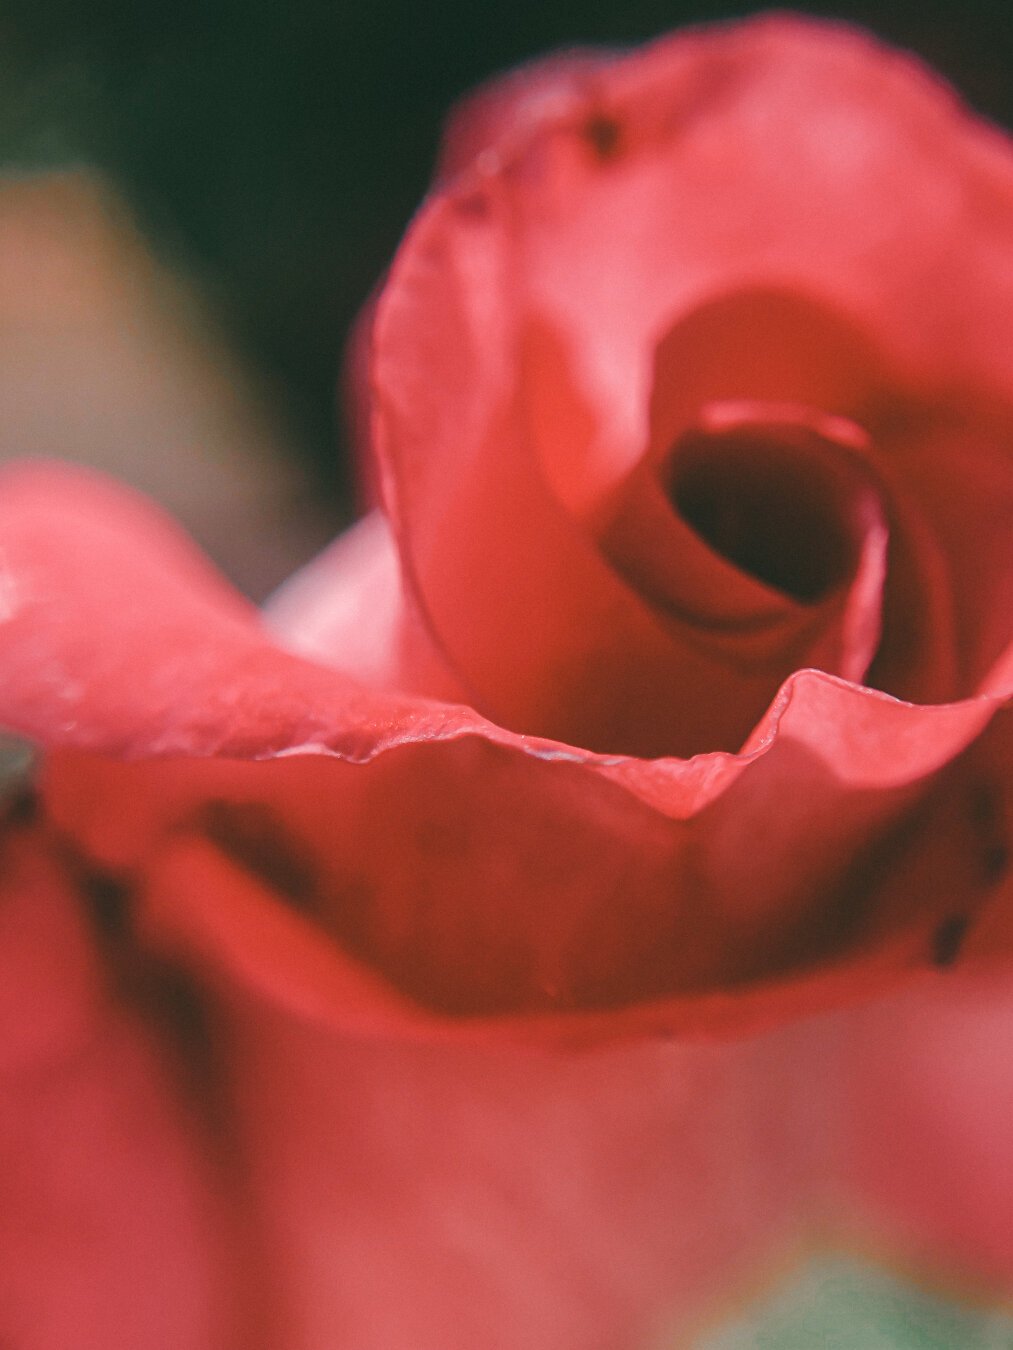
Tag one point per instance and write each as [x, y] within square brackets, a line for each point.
[668, 890]
[349, 609]
[927, 1097]
[114, 1226]
[511, 271]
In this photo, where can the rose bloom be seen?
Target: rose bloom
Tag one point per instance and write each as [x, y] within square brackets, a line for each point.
[585, 899]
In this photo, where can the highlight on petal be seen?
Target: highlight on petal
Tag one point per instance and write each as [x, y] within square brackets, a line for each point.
[502, 111]
[349, 609]
[115, 633]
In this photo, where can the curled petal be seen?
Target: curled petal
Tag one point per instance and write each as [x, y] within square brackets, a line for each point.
[705, 851]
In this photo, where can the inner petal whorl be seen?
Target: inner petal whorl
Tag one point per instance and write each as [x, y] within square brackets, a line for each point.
[769, 495]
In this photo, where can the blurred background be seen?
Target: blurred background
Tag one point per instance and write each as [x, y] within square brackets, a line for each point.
[196, 199]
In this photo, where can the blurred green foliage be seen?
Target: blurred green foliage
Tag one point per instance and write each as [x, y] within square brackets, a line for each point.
[841, 1304]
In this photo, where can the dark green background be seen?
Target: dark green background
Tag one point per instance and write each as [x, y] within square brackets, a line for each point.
[276, 151]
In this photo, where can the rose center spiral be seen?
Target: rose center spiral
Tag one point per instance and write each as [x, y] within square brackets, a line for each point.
[770, 507]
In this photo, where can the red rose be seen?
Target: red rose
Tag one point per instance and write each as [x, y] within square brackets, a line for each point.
[688, 391]
[666, 697]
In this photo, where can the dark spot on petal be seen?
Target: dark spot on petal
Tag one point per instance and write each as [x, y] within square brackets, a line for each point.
[18, 799]
[251, 834]
[604, 134]
[986, 816]
[19, 809]
[174, 1000]
[176, 1007]
[983, 806]
[105, 895]
[108, 899]
[995, 862]
[948, 939]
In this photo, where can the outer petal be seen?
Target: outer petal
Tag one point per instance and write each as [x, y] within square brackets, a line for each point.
[439, 1197]
[118, 634]
[742, 189]
[349, 609]
[610, 895]
[428, 1195]
[407, 1195]
[927, 1097]
[114, 1225]
[494, 117]
[442, 1196]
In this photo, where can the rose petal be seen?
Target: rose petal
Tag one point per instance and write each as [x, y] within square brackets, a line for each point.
[957, 465]
[505, 110]
[717, 181]
[114, 1228]
[349, 609]
[116, 633]
[927, 1096]
[528, 239]
[557, 902]
[722, 890]
[474, 1184]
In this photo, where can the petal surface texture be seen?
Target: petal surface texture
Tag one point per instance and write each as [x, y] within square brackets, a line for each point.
[581, 894]
[630, 243]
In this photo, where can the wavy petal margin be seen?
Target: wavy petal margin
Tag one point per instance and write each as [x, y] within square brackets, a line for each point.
[119, 642]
